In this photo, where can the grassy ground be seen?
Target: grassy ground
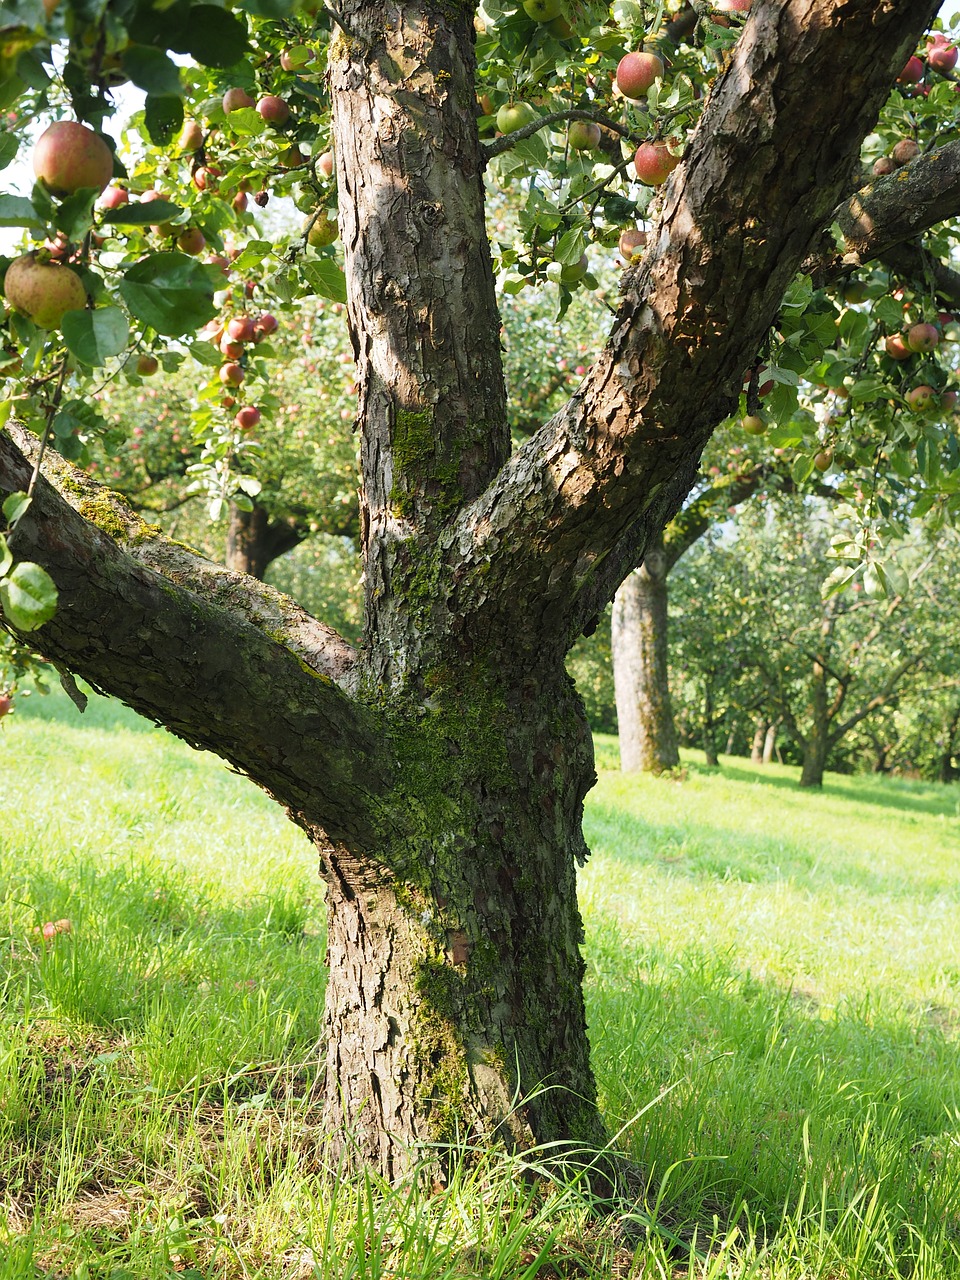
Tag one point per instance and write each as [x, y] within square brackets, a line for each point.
[774, 983]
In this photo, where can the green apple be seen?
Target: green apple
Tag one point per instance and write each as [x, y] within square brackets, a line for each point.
[583, 135]
[543, 10]
[514, 115]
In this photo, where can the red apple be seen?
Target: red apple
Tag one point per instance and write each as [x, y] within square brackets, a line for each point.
[69, 156]
[636, 73]
[267, 324]
[631, 243]
[147, 365]
[114, 198]
[296, 57]
[921, 398]
[922, 337]
[231, 374]
[230, 348]
[912, 72]
[240, 202]
[325, 164]
[905, 151]
[943, 58]
[273, 109]
[236, 99]
[896, 348]
[654, 162]
[241, 329]
[191, 136]
[883, 166]
[247, 417]
[6, 703]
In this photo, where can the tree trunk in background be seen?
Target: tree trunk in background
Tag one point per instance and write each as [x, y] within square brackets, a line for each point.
[709, 729]
[770, 742]
[638, 643]
[254, 541]
[759, 739]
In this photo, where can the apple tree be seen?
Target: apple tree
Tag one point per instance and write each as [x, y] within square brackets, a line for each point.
[440, 766]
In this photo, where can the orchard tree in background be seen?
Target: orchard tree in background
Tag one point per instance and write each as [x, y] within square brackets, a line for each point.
[440, 766]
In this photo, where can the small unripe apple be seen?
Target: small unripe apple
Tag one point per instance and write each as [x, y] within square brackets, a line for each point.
[273, 109]
[325, 164]
[69, 156]
[247, 418]
[921, 398]
[241, 329]
[583, 135]
[323, 231]
[296, 57]
[823, 459]
[191, 136]
[753, 424]
[636, 73]
[231, 374]
[654, 162]
[922, 337]
[515, 115]
[855, 291]
[905, 151]
[912, 72]
[631, 243]
[42, 291]
[561, 27]
[192, 241]
[896, 348]
[147, 365]
[543, 10]
[114, 198]
[948, 400]
[236, 99]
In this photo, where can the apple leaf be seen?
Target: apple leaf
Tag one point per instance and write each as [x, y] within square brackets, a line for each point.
[28, 596]
[14, 507]
[163, 117]
[151, 69]
[171, 292]
[8, 148]
[215, 37]
[142, 215]
[94, 336]
[18, 211]
[326, 279]
[6, 557]
[74, 216]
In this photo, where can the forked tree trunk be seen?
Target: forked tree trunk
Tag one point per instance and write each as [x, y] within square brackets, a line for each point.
[254, 541]
[638, 641]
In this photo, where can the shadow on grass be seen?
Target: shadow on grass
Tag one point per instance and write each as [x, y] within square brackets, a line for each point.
[890, 793]
[56, 707]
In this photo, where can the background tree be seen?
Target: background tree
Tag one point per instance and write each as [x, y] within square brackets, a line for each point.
[440, 767]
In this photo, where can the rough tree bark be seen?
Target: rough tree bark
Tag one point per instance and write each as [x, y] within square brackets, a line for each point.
[441, 767]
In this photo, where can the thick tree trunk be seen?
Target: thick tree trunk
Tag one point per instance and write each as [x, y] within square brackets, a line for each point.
[816, 741]
[254, 541]
[759, 738]
[638, 644]
[454, 1002]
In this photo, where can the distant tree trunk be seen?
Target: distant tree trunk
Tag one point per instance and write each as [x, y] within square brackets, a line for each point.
[770, 742]
[254, 541]
[648, 738]
[759, 738]
[948, 771]
[817, 741]
[709, 728]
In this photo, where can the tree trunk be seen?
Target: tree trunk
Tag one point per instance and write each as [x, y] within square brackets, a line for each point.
[454, 1003]
[638, 644]
[759, 740]
[770, 742]
[816, 741]
[709, 729]
[254, 541]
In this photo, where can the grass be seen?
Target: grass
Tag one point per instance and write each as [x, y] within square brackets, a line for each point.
[773, 982]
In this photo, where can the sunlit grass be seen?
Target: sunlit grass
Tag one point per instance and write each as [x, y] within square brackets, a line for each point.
[774, 981]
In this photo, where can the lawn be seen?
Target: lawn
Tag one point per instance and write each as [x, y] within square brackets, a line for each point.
[773, 993]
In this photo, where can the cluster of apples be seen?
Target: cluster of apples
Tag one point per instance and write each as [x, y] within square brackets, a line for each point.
[67, 158]
[232, 337]
[922, 338]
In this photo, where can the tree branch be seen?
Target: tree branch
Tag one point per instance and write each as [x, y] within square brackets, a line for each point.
[219, 659]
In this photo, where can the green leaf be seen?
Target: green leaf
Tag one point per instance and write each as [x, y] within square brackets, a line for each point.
[215, 37]
[151, 69]
[28, 596]
[94, 336]
[785, 436]
[18, 211]
[570, 247]
[163, 117]
[326, 279]
[142, 215]
[802, 468]
[888, 312]
[14, 507]
[74, 216]
[8, 149]
[246, 123]
[6, 557]
[171, 292]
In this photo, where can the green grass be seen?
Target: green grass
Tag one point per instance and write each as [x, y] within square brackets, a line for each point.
[773, 993]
